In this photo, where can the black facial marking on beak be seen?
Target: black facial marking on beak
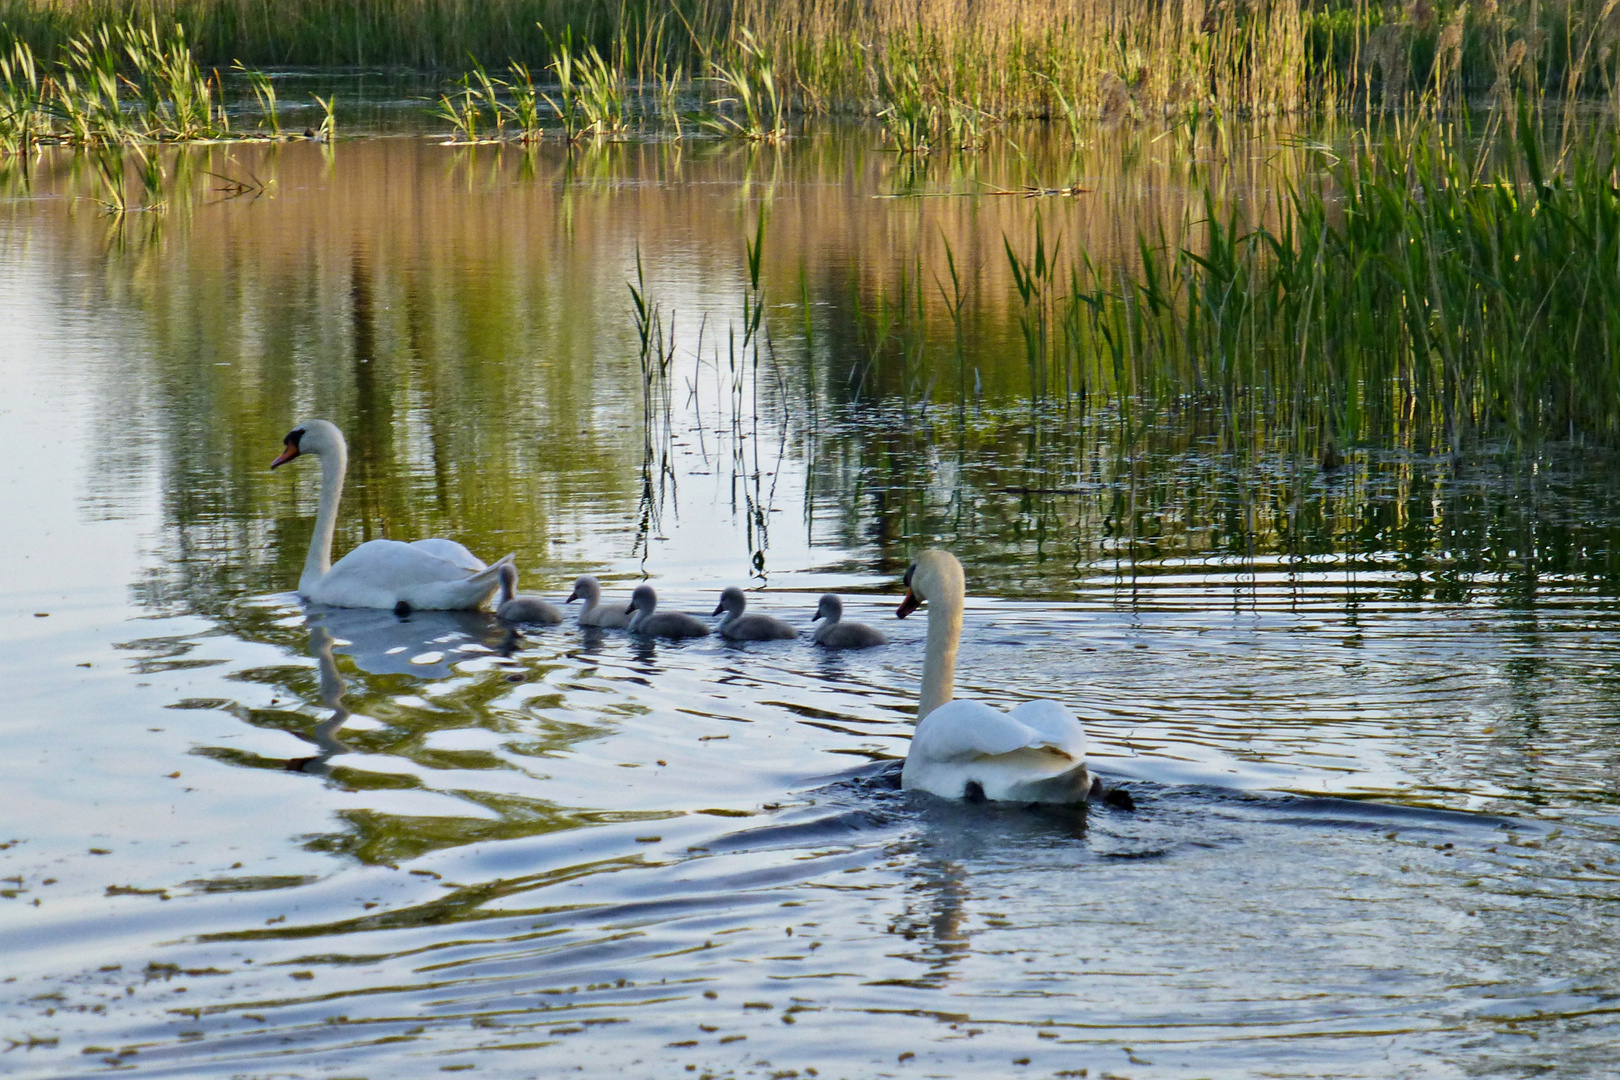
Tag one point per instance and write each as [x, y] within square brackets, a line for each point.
[290, 447]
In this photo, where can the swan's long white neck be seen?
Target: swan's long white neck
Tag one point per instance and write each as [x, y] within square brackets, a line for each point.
[334, 466]
[939, 660]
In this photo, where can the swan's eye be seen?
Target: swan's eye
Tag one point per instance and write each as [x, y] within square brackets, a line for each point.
[294, 437]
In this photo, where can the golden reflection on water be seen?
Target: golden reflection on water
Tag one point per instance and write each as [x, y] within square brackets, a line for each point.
[465, 315]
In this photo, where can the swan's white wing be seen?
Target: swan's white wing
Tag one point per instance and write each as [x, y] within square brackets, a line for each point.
[964, 746]
[1058, 727]
[379, 573]
[452, 552]
[963, 730]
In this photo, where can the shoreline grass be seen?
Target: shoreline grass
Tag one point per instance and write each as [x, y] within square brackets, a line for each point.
[938, 74]
[1428, 296]
[1113, 59]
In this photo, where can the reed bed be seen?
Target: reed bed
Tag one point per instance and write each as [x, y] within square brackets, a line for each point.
[1428, 297]
[116, 84]
[941, 74]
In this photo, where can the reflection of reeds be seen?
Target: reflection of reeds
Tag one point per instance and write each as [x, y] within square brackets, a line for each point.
[112, 175]
[657, 357]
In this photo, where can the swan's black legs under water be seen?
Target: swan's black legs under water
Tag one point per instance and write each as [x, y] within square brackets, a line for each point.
[1117, 797]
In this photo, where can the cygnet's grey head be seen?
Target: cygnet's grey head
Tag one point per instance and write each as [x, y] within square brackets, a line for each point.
[643, 600]
[830, 608]
[508, 581]
[586, 589]
[731, 600]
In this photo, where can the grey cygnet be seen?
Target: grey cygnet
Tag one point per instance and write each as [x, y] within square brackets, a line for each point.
[646, 619]
[529, 609]
[596, 613]
[837, 634]
[740, 627]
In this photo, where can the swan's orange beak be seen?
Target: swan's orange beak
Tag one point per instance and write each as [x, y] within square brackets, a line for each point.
[287, 454]
[911, 603]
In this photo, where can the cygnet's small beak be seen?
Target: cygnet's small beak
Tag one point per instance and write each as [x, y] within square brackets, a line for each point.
[288, 452]
[572, 597]
[631, 608]
[718, 608]
[911, 603]
[816, 616]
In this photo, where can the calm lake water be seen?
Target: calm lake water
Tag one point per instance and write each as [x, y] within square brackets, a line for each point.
[1369, 716]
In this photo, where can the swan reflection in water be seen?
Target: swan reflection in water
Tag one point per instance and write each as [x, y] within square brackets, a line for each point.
[424, 644]
[331, 694]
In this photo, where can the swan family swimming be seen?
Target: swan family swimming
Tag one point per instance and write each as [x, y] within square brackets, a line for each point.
[1033, 753]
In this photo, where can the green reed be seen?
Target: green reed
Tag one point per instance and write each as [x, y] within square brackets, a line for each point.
[524, 107]
[23, 120]
[935, 73]
[1405, 303]
[1003, 57]
[755, 105]
[475, 110]
[113, 178]
[910, 115]
[264, 92]
[115, 84]
[591, 92]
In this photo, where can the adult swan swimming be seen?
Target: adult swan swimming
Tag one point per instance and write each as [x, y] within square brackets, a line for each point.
[432, 575]
[966, 749]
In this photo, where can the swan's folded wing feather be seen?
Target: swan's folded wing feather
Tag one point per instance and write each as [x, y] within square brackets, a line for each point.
[394, 564]
[1058, 727]
[964, 730]
[450, 551]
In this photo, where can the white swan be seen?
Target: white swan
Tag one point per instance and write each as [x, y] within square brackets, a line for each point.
[596, 613]
[835, 633]
[742, 627]
[433, 575]
[966, 749]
